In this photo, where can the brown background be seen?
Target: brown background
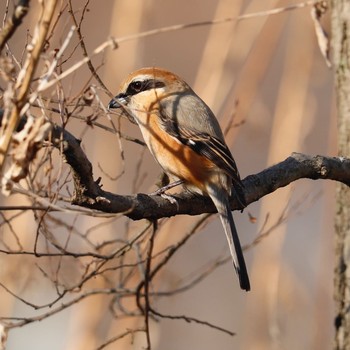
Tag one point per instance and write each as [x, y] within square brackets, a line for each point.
[271, 66]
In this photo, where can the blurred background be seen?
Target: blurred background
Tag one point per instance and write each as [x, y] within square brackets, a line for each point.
[264, 76]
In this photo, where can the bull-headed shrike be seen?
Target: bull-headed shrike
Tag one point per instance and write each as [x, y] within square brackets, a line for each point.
[186, 140]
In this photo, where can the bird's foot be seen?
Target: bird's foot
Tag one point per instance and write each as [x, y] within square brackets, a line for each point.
[161, 191]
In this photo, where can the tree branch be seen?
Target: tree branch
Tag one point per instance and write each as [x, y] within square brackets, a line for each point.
[89, 194]
[25, 77]
[14, 22]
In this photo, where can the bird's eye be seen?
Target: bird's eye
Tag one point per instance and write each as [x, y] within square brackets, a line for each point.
[138, 86]
[135, 87]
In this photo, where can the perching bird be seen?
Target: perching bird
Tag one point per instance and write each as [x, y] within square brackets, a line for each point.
[185, 138]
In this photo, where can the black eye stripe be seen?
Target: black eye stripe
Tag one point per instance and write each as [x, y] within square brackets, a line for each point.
[138, 86]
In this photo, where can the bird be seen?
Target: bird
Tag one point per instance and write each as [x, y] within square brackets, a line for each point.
[185, 138]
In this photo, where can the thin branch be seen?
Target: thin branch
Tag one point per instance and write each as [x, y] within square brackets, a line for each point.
[25, 76]
[192, 319]
[83, 46]
[14, 322]
[130, 332]
[14, 22]
[114, 42]
[247, 16]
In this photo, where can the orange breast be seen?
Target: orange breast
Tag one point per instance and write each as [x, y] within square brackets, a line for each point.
[174, 157]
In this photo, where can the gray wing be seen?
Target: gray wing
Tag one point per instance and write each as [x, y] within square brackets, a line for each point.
[190, 111]
[190, 120]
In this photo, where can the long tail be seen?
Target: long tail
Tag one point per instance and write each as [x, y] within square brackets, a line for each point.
[220, 199]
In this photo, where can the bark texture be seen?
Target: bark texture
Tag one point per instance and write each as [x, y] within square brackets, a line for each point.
[341, 60]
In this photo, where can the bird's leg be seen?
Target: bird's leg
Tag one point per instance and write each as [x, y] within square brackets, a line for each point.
[161, 191]
[167, 187]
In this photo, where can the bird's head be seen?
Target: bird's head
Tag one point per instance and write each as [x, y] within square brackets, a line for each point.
[147, 86]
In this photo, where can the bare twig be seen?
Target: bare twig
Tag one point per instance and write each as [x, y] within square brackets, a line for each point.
[83, 46]
[114, 42]
[128, 332]
[317, 11]
[15, 322]
[247, 16]
[25, 77]
[14, 22]
[192, 319]
[109, 43]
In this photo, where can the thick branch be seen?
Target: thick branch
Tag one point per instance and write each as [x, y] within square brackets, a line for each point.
[142, 206]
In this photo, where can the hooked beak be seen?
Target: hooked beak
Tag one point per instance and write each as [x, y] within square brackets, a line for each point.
[118, 101]
[121, 101]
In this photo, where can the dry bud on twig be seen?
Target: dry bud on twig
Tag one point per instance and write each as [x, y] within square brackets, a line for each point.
[26, 143]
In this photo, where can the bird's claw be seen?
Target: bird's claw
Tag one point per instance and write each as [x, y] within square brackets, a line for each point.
[171, 199]
[163, 189]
